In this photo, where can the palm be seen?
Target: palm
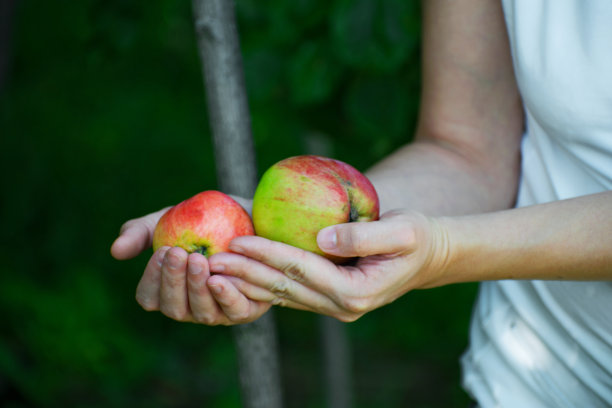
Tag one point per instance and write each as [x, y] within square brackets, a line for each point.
[383, 278]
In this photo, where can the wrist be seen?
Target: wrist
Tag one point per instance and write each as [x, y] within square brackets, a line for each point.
[436, 265]
[454, 251]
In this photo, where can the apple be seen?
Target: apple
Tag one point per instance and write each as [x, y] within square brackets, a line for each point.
[204, 223]
[299, 196]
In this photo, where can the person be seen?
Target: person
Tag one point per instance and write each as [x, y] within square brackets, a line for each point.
[507, 182]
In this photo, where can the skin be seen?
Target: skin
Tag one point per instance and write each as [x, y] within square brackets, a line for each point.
[178, 284]
[455, 186]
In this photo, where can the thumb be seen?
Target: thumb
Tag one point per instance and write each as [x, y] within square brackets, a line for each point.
[136, 235]
[366, 238]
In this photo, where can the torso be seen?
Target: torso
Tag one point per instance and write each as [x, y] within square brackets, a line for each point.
[548, 343]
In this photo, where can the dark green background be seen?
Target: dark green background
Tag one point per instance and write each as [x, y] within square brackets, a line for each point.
[103, 119]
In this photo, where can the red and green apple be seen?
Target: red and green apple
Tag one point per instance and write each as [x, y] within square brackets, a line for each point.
[299, 196]
[204, 223]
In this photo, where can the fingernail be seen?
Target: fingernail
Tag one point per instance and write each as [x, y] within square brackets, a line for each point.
[173, 261]
[216, 289]
[327, 238]
[161, 255]
[195, 269]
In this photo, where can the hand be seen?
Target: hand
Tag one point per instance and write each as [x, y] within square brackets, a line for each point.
[177, 284]
[136, 235]
[401, 252]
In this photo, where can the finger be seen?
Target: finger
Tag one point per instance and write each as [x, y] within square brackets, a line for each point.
[135, 236]
[204, 309]
[235, 305]
[361, 239]
[264, 296]
[147, 291]
[281, 287]
[173, 297]
[261, 295]
[301, 266]
[251, 291]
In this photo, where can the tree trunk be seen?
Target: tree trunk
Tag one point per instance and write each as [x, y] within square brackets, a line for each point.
[337, 361]
[218, 43]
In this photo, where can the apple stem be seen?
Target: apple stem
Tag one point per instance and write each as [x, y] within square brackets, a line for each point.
[354, 214]
[202, 250]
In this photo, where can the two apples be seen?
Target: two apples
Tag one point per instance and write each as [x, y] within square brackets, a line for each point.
[294, 200]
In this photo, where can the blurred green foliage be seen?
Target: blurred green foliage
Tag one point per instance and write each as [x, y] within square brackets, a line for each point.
[103, 119]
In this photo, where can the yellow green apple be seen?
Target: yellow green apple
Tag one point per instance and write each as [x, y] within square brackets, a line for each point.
[299, 196]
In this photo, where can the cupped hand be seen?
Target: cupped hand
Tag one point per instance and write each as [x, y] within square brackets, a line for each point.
[177, 283]
[400, 252]
[136, 235]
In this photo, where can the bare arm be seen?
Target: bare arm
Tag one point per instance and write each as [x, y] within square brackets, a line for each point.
[563, 240]
[176, 283]
[462, 172]
[465, 158]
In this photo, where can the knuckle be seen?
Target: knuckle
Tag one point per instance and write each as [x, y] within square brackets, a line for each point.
[349, 317]
[359, 242]
[146, 304]
[197, 288]
[175, 314]
[173, 279]
[279, 301]
[280, 289]
[240, 317]
[174, 258]
[172, 282]
[356, 305]
[204, 318]
[127, 225]
[351, 239]
[295, 271]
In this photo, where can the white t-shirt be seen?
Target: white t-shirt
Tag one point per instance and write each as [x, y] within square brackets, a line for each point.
[549, 343]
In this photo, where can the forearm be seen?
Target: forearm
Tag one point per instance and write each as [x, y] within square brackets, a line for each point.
[434, 180]
[465, 157]
[564, 240]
